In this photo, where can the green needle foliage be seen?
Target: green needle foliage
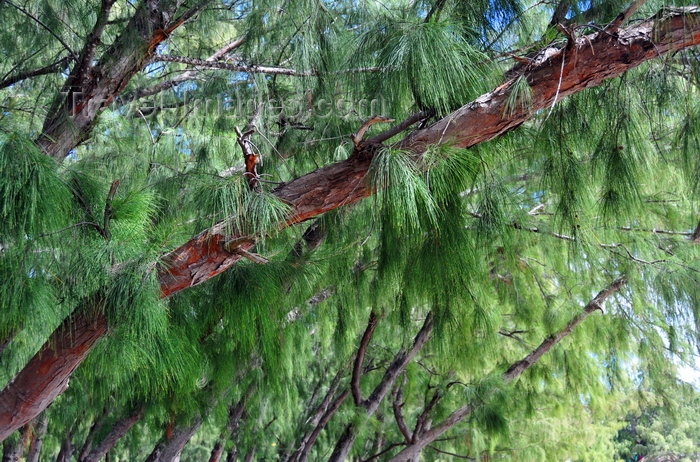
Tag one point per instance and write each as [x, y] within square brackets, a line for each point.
[490, 250]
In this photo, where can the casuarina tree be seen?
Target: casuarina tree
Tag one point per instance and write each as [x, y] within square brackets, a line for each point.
[331, 230]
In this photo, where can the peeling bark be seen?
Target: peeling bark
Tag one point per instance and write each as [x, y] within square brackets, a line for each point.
[47, 373]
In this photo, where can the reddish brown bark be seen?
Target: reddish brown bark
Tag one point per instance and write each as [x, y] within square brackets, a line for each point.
[216, 452]
[584, 64]
[47, 373]
[587, 63]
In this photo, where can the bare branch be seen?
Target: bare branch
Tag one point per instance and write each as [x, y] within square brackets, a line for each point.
[403, 126]
[423, 417]
[513, 372]
[119, 429]
[659, 231]
[304, 452]
[227, 49]
[249, 69]
[50, 69]
[359, 135]
[359, 358]
[184, 77]
[451, 454]
[397, 404]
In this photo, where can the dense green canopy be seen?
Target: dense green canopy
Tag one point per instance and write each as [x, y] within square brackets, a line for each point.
[375, 230]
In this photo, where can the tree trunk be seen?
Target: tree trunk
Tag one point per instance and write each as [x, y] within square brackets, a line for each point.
[38, 438]
[12, 450]
[47, 373]
[67, 449]
[169, 449]
[585, 63]
[216, 452]
[91, 87]
[117, 432]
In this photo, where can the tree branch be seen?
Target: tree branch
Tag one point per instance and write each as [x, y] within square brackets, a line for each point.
[249, 69]
[309, 443]
[88, 89]
[599, 56]
[119, 429]
[397, 404]
[93, 39]
[359, 358]
[50, 69]
[514, 371]
[397, 366]
[185, 76]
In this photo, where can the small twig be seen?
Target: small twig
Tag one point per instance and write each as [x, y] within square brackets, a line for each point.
[415, 118]
[452, 454]
[359, 135]
[255, 258]
[384, 451]
[38, 21]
